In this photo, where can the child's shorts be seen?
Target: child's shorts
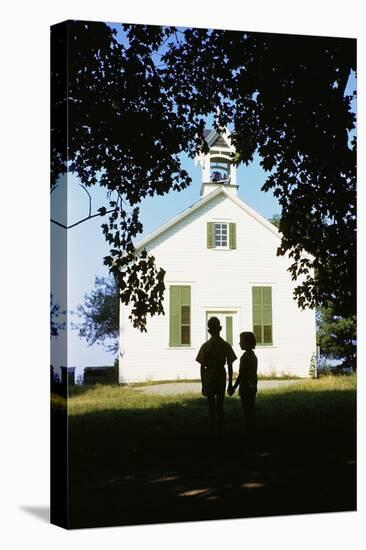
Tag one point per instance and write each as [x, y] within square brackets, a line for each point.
[214, 382]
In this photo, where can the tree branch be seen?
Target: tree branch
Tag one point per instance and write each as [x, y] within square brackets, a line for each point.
[81, 221]
[87, 192]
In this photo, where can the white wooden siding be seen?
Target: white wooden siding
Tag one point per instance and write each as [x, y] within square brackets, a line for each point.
[219, 279]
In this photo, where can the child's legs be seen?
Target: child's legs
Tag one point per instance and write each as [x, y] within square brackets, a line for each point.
[251, 412]
[220, 405]
[211, 400]
[215, 396]
[244, 406]
[248, 404]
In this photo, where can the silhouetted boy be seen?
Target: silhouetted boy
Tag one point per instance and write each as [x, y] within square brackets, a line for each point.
[212, 356]
[247, 379]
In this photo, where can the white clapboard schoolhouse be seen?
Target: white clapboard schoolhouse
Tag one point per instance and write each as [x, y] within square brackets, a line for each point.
[220, 260]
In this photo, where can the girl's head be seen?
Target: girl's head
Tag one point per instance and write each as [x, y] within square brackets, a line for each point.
[247, 340]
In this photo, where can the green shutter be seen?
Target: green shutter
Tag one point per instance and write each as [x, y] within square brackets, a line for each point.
[210, 235]
[262, 314]
[267, 315]
[257, 295]
[232, 235]
[229, 330]
[174, 320]
[180, 316]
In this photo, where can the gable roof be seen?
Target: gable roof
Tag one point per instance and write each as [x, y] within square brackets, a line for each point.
[215, 139]
[220, 142]
[204, 200]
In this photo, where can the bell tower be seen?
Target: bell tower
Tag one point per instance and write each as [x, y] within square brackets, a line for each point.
[217, 165]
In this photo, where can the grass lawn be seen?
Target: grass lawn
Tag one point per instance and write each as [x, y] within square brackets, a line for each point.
[142, 458]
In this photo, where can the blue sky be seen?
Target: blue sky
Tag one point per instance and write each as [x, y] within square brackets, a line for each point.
[87, 247]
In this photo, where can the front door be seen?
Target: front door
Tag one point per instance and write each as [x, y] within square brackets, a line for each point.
[227, 322]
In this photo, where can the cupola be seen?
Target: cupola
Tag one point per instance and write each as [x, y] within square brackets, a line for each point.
[217, 165]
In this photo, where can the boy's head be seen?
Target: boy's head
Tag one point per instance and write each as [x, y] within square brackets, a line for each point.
[247, 340]
[214, 326]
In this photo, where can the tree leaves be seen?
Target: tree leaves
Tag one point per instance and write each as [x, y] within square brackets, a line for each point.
[134, 108]
[56, 314]
[100, 315]
[337, 336]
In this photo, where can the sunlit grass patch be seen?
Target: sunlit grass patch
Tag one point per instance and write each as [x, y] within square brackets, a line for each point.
[58, 402]
[103, 397]
[124, 398]
[326, 383]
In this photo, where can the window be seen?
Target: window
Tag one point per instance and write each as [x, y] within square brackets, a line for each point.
[221, 235]
[262, 314]
[180, 316]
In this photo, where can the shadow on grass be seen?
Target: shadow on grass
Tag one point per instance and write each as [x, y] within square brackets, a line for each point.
[160, 464]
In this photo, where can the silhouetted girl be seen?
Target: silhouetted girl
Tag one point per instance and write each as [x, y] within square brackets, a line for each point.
[247, 379]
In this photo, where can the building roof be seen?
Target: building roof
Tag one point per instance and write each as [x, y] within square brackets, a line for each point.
[215, 139]
[199, 204]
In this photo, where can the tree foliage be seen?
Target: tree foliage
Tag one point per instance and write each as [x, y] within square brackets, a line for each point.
[285, 97]
[100, 315]
[134, 107]
[57, 318]
[337, 336]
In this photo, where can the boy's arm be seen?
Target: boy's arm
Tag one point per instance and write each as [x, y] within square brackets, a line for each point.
[200, 360]
[230, 358]
[230, 371]
[202, 372]
[203, 380]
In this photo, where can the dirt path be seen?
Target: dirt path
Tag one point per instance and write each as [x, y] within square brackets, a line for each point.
[176, 388]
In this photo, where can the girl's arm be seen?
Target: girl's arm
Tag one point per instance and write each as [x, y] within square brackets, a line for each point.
[237, 382]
